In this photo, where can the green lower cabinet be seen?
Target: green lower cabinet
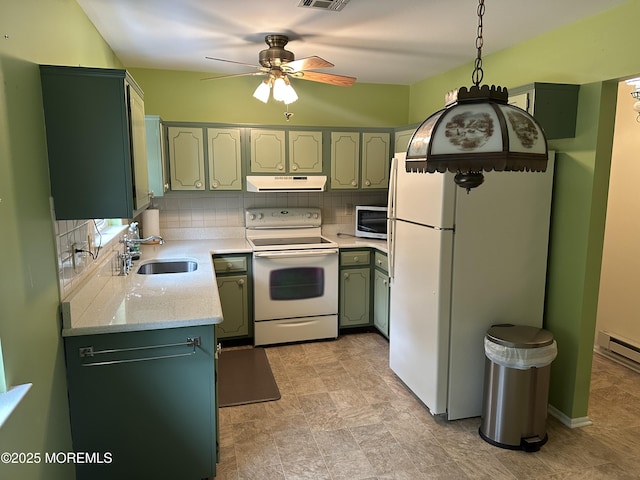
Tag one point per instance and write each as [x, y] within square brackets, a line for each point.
[235, 306]
[355, 288]
[381, 301]
[233, 277]
[143, 404]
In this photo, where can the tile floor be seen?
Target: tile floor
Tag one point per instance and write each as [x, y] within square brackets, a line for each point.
[344, 415]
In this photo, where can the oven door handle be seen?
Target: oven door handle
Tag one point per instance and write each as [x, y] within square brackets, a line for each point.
[296, 253]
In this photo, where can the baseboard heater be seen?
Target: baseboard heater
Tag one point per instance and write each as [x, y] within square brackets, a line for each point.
[619, 346]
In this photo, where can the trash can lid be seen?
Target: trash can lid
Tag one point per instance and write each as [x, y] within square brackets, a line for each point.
[519, 336]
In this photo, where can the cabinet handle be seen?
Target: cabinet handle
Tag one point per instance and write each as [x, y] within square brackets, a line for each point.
[229, 266]
[166, 187]
[379, 262]
[356, 259]
[241, 282]
[384, 282]
[214, 185]
[367, 183]
[218, 351]
[353, 183]
[280, 166]
[198, 184]
[346, 275]
[90, 352]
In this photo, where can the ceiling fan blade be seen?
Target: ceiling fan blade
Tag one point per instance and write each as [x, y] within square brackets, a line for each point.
[218, 77]
[308, 63]
[231, 61]
[339, 80]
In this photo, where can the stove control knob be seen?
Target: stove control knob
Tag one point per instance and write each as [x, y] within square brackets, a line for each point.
[315, 215]
[252, 217]
[308, 215]
[260, 215]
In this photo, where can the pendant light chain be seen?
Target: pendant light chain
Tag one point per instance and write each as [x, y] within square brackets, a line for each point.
[478, 73]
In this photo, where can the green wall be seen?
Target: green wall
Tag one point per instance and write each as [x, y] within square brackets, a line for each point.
[184, 96]
[38, 32]
[590, 53]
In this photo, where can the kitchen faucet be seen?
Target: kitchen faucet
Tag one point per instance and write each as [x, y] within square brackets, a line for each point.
[126, 255]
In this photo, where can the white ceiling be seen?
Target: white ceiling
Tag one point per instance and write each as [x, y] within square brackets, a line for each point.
[377, 41]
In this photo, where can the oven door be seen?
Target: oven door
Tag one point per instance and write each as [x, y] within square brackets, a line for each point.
[295, 283]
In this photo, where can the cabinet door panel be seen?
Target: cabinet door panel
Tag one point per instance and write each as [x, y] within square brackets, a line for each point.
[224, 159]
[154, 413]
[235, 306]
[375, 160]
[139, 150]
[186, 158]
[401, 140]
[381, 302]
[267, 151]
[345, 160]
[305, 152]
[354, 296]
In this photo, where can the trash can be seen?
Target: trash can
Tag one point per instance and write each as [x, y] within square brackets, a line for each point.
[516, 386]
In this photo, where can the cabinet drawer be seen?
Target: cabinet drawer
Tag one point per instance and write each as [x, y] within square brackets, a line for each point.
[230, 264]
[355, 257]
[381, 261]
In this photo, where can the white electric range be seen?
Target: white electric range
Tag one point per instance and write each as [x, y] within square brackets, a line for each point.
[295, 275]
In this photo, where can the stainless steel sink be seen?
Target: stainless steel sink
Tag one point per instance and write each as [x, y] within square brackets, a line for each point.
[167, 266]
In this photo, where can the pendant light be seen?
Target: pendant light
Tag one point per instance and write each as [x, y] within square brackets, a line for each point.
[478, 131]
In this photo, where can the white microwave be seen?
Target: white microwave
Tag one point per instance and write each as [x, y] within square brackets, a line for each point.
[371, 222]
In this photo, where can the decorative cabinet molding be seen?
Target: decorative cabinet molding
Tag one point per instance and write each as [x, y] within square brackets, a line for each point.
[186, 158]
[402, 138]
[305, 151]
[345, 160]
[360, 160]
[233, 276]
[376, 161]
[225, 158]
[354, 309]
[268, 151]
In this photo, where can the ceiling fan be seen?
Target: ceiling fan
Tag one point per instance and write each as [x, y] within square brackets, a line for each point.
[279, 64]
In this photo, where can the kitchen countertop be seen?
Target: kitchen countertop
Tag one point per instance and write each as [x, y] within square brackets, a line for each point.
[350, 241]
[110, 303]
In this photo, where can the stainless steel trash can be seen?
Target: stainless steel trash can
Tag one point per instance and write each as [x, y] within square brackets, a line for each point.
[516, 386]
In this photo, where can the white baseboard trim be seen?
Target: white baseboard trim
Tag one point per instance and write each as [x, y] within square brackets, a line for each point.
[569, 422]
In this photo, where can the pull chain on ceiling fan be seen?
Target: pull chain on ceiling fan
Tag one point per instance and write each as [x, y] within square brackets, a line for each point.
[279, 64]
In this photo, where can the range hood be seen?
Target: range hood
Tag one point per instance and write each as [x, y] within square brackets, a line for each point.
[285, 183]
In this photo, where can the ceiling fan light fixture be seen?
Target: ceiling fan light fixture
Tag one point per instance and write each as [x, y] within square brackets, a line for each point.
[279, 89]
[262, 92]
[479, 131]
[290, 95]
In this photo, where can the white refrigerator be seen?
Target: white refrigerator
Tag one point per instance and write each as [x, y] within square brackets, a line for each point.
[460, 262]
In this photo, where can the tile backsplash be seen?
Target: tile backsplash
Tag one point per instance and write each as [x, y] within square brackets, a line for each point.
[195, 215]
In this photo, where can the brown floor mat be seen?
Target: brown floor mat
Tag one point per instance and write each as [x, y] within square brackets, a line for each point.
[244, 376]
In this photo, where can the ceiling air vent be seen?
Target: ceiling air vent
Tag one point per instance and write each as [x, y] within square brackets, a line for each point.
[336, 5]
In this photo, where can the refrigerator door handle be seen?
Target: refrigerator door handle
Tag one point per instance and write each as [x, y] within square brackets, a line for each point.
[391, 245]
[393, 178]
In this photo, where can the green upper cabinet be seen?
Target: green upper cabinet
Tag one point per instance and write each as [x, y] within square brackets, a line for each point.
[186, 157]
[224, 155]
[553, 105]
[402, 138]
[268, 151]
[95, 128]
[305, 151]
[345, 160]
[285, 151]
[360, 160]
[155, 156]
[375, 160]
